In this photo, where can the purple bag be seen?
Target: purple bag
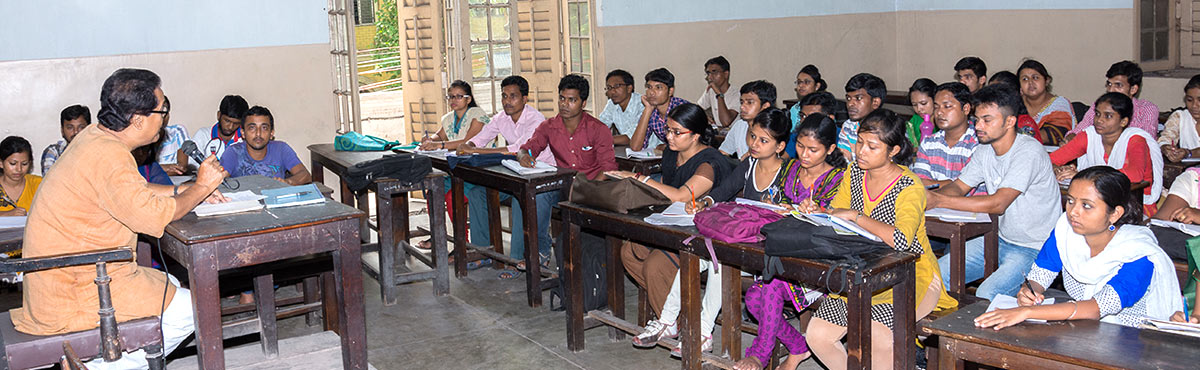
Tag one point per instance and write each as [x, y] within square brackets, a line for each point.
[734, 223]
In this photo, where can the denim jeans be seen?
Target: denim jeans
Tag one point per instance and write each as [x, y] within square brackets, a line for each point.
[1014, 261]
[477, 208]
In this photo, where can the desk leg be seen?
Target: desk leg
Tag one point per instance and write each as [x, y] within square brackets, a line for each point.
[572, 286]
[347, 270]
[533, 264]
[991, 250]
[364, 228]
[858, 327]
[904, 330]
[497, 236]
[948, 355]
[264, 300]
[437, 228]
[387, 247]
[731, 314]
[400, 230]
[318, 170]
[689, 300]
[616, 284]
[206, 308]
[460, 227]
[958, 263]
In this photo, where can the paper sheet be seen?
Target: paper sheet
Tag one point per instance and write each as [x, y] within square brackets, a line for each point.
[1004, 302]
[758, 204]
[674, 215]
[9, 222]
[951, 215]
[1189, 229]
[647, 153]
[242, 201]
[538, 167]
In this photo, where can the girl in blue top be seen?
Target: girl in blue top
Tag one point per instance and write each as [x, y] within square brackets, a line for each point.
[1112, 267]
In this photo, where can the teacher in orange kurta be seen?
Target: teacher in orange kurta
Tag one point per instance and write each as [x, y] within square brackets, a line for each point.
[95, 199]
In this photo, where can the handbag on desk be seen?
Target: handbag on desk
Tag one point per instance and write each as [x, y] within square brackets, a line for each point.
[617, 195]
[405, 167]
[356, 142]
[791, 237]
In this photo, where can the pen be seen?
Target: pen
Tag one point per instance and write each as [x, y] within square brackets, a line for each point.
[1030, 287]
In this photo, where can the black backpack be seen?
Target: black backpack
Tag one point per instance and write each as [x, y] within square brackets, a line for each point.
[593, 263]
[404, 167]
[791, 237]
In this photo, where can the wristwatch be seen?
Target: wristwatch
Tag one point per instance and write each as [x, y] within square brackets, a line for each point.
[720, 95]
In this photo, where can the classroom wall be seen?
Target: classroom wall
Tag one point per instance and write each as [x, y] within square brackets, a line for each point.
[898, 40]
[287, 72]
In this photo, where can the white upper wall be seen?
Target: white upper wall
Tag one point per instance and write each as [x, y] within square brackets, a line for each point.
[84, 28]
[642, 12]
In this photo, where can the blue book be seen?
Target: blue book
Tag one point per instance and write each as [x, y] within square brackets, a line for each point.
[293, 196]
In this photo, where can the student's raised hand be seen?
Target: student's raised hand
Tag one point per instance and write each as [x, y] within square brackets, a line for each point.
[210, 173]
[1000, 319]
[1029, 298]
[216, 197]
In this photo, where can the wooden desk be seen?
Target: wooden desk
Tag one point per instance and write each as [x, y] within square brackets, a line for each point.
[958, 233]
[1171, 171]
[11, 239]
[887, 268]
[644, 166]
[206, 246]
[391, 200]
[1078, 344]
[523, 189]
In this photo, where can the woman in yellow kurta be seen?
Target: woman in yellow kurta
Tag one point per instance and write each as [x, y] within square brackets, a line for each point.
[885, 198]
[17, 186]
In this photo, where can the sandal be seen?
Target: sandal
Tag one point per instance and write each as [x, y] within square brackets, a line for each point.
[475, 265]
[509, 274]
[543, 261]
[426, 244]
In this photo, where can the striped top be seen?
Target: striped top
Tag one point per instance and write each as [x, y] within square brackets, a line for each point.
[848, 136]
[936, 160]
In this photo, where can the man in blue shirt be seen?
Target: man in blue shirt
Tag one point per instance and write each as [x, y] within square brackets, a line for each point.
[260, 154]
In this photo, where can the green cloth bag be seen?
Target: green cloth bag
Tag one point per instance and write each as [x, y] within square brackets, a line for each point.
[1189, 289]
[356, 142]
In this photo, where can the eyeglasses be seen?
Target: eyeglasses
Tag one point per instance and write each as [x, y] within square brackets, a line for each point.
[617, 86]
[162, 112]
[456, 97]
[674, 132]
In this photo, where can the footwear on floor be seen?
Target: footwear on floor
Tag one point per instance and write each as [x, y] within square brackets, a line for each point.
[706, 345]
[654, 331]
[509, 274]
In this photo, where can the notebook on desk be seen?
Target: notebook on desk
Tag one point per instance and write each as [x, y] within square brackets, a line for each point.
[538, 167]
[293, 196]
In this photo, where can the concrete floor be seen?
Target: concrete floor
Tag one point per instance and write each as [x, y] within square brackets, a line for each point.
[484, 323]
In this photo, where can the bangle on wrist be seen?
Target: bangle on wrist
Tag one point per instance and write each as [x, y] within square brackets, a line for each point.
[1074, 309]
[176, 190]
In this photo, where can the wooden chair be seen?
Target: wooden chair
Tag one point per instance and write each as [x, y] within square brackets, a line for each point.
[22, 351]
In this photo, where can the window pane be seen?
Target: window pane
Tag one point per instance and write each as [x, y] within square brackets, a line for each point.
[576, 57]
[476, 2]
[584, 23]
[586, 48]
[499, 1]
[478, 19]
[1160, 13]
[479, 61]
[1147, 14]
[482, 91]
[502, 55]
[1161, 42]
[573, 19]
[1147, 46]
[500, 22]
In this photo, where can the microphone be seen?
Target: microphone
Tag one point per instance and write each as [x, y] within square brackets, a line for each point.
[189, 148]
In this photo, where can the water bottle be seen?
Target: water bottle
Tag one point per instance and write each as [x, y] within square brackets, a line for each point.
[926, 126]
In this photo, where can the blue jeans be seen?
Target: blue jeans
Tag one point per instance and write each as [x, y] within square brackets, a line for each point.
[1014, 261]
[477, 208]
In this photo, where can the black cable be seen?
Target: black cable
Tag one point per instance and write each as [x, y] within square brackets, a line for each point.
[163, 308]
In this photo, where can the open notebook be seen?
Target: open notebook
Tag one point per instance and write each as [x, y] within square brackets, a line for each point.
[538, 167]
[1189, 229]
[951, 215]
[242, 201]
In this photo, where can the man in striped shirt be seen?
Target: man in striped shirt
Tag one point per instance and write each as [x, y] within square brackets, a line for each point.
[943, 155]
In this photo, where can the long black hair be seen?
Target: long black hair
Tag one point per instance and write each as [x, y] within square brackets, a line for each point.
[1113, 187]
[693, 118]
[466, 88]
[821, 127]
[892, 130]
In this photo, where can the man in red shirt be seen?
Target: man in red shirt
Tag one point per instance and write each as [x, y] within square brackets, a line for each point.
[576, 139]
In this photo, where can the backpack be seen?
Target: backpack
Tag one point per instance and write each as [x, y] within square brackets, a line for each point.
[593, 260]
[792, 237]
[405, 167]
[734, 223]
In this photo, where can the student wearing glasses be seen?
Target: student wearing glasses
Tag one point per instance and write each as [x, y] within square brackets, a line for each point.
[623, 109]
[462, 122]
